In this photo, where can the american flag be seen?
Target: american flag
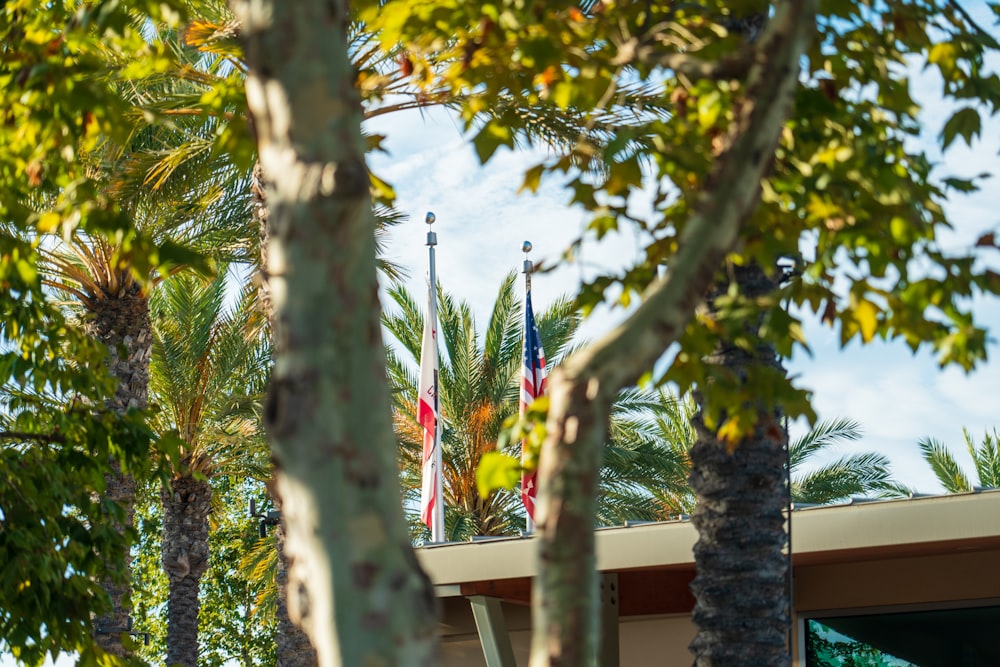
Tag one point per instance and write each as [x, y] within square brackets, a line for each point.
[428, 414]
[532, 386]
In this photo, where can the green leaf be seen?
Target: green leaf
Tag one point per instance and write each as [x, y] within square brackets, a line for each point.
[172, 255]
[492, 136]
[532, 179]
[964, 122]
[497, 471]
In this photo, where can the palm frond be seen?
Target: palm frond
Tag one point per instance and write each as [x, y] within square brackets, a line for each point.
[865, 474]
[985, 458]
[945, 468]
[827, 433]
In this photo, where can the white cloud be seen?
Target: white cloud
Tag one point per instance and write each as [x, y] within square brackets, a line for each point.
[482, 221]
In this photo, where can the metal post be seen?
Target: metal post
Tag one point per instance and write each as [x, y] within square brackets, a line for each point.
[609, 620]
[492, 630]
[529, 524]
[437, 519]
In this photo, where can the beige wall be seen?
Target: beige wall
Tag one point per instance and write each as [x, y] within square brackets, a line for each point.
[898, 581]
[643, 641]
[958, 579]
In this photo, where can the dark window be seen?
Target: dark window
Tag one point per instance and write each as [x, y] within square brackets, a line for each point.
[940, 638]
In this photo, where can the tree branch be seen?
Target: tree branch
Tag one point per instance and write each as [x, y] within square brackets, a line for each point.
[972, 23]
[731, 66]
[42, 438]
[583, 387]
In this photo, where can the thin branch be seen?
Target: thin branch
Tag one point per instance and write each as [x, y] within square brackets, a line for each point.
[734, 65]
[414, 104]
[972, 22]
[43, 438]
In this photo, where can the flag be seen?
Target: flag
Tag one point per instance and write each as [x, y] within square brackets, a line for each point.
[428, 414]
[532, 386]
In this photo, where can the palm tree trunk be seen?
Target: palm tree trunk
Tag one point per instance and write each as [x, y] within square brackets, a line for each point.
[121, 322]
[186, 505]
[293, 647]
[741, 605]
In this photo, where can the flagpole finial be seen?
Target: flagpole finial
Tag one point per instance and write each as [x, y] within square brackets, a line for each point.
[432, 238]
[528, 266]
[526, 247]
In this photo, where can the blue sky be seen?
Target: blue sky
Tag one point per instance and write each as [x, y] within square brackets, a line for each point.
[897, 397]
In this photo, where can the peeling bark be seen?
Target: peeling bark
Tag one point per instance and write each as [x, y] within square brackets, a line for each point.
[354, 581]
[582, 388]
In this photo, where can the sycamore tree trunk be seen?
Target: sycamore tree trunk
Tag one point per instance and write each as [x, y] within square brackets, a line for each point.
[741, 607]
[582, 388]
[292, 645]
[121, 322]
[186, 505]
[354, 581]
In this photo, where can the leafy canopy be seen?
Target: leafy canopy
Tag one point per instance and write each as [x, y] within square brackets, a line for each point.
[852, 201]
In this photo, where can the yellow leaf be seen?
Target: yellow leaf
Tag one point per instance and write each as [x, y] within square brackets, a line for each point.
[731, 432]
[709, 108]
[532, 179]
[49, 221]
[866, 315]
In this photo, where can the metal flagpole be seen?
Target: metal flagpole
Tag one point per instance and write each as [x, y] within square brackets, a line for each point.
[529, 523]
[437, 517]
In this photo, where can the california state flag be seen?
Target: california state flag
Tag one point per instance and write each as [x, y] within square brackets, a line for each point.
[428, 414]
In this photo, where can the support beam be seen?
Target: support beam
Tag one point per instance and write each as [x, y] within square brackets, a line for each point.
[609, 620]
[492, 629]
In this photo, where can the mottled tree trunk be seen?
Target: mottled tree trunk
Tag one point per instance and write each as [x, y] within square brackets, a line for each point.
[354, 581]
[741, 608]
[581, 389]
[186, 506]
[293, 647]
[121, 322]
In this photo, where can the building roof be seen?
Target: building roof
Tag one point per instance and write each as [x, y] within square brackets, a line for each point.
[829, 533]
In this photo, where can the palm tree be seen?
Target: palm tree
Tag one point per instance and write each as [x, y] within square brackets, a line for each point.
[985, 460]
[741, 495]
[189, 209]
[208, 363]
[479, 389]
[644, 474]
[860, 474]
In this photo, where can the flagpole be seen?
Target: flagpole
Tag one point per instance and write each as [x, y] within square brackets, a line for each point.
[529, 523]
[437, 518]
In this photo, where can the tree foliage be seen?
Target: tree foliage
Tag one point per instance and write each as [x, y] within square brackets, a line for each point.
[985, 457]
[849, 195]
[56, 437]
